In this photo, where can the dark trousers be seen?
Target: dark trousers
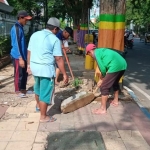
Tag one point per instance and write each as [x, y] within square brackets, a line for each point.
[20, 75]
[111, 80]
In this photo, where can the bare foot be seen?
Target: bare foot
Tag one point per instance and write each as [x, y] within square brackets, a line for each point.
[48, 119]
[99, 111]
[114, 103]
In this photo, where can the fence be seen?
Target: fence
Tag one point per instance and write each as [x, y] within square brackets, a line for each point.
[6, 22]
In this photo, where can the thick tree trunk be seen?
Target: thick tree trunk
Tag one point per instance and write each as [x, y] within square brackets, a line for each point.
[112, 24]
[84, 25]
[76, 23]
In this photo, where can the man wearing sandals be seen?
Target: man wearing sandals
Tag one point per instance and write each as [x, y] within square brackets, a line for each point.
[112, 67]
[44, 51]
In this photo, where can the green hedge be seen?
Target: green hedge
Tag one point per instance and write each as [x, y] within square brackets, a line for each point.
[5, 45]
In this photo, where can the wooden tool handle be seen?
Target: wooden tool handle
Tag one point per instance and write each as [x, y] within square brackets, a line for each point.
[95, 90]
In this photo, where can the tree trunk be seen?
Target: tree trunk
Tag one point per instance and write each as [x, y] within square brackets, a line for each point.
[76, 22]
[112, 24]
[84, 25]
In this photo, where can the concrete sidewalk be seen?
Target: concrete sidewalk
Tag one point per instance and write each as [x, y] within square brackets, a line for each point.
[123, 128]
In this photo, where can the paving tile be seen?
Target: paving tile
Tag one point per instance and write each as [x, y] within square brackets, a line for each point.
[5, 135]
[143, 126]
[19, 146]
[34, 115]
[109, 136]
[64, 118]
[16, 110]
[85, 126]
[38, 146]
[113, 140]
[122, 125]
[3, 109]
[118, 110]
[3, 145]
[27, 126]
[67, 126]
[49, 127]
[30, 110]
[31, 119]
[32, 104]
[136, 145]
[130, 135]
[104, 123]
[114, 145]
[83, 111]
[83, 118]
[41, 137]
[6, 126]
[124, 121]
[26, 136]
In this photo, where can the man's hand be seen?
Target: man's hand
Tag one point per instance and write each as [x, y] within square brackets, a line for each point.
[21, 63]
[65, 78]
[67, 49]
[29, 70]
[99, 83]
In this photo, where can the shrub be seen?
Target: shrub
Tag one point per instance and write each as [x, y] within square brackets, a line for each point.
[5, 45]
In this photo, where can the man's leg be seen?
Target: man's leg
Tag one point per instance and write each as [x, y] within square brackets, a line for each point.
[37, 102]
[107, 83]
[115, 102]
[46, 94]
[43, 110]
[23, 75]
[102, 109]
[37, 91]
[16, 74]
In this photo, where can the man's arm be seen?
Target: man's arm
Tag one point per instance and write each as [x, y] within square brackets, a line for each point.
[28, 62]
[57, 53]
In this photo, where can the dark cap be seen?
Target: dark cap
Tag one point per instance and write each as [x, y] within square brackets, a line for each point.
[70, 31]
[23, 13]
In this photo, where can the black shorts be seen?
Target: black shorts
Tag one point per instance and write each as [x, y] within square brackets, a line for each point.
[111, 80]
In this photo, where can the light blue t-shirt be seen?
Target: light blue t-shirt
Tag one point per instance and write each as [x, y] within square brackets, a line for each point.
[44, 45]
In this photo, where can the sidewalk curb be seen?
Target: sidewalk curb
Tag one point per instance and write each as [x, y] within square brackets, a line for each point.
[137, 101]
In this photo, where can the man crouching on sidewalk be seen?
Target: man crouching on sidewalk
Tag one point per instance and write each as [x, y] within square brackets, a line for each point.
[44, 51]
[112, 67]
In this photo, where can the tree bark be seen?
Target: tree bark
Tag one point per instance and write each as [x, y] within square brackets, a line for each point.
[112, 24]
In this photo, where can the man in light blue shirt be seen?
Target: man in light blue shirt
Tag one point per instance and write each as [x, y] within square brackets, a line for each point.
[44, 51]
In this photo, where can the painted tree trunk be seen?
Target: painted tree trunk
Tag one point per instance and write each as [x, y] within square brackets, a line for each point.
[75, 28]
[112, 24]
[81, 34]
[84, 25]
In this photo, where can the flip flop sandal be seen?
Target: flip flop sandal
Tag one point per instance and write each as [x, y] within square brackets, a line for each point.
[37, 109]
[51, 119]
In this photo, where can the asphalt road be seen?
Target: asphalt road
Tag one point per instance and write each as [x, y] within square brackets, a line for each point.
[137, 76]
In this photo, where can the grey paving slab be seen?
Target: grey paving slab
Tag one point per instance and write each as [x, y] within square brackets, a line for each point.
[3, 109]
[77, 141]
[49, 127]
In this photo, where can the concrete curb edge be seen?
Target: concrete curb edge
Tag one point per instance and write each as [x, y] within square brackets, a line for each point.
[137, 101]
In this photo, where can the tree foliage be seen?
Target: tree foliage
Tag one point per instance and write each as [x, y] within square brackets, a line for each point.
[138, 11]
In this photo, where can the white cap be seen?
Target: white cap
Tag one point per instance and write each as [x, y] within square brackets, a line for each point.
[54, 21]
